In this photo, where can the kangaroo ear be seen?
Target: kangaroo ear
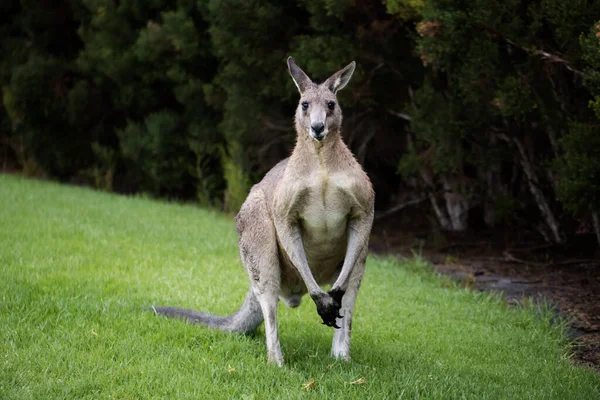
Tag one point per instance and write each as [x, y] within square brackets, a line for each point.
[340, 79]
[301, 80]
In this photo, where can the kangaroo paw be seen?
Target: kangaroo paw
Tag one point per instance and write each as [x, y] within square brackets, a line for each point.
[337, 294]
[328, 308]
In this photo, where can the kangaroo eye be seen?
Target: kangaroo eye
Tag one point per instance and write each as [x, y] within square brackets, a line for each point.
[305, 106]
[331, 105]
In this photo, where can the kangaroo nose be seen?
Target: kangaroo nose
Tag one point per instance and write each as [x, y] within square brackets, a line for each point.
[318, 127]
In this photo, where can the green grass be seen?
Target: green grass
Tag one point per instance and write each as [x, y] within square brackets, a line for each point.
[78, 270]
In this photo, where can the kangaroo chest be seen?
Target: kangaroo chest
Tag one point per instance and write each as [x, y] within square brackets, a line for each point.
[324, 211]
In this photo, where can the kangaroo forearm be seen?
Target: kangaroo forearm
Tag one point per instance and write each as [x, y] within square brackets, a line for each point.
[301, 264]
[358, 239]
[291, 241]
[355, 248]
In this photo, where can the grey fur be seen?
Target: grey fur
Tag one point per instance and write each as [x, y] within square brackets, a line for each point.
[245, 320]
[305, 224]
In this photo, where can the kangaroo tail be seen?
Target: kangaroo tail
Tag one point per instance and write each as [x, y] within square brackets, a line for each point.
[245, 320]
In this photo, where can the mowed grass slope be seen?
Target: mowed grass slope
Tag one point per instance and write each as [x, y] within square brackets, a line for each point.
[79, 270]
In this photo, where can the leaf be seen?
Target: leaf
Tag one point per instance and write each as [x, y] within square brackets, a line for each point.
[359, 381]
[310, 385]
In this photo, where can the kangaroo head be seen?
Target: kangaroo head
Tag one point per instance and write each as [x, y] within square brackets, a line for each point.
[318, 112]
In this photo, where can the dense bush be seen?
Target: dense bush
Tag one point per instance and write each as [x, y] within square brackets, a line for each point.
[488, 108]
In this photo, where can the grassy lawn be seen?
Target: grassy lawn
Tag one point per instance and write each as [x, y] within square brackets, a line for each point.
[79, 269]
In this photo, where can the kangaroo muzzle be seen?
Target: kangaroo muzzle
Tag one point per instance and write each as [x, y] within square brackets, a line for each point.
[317, 131]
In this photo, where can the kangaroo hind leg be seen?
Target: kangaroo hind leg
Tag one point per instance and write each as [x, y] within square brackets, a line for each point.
[258, 251]
[341, 337]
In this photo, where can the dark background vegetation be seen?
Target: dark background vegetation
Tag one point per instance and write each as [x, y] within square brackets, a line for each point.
[479, 113]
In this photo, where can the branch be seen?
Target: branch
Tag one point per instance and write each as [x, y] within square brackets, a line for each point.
[574, 261]
[378, 59]
[277, 127]
[508, 257]
[400, 114]
[362, 150]
[534, 52]
[536, 192]
[530, 249]
[401, 206]
[264, 148]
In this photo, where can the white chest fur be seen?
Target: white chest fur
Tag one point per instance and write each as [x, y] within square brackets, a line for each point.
[329, 201]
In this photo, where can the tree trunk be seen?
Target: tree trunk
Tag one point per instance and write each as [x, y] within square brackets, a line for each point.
[457, 204]
[596, 225]
[428, 177]
[439, 213]
[538, 195]
[493, 187]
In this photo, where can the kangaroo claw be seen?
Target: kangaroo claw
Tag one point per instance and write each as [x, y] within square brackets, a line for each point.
[331, 324]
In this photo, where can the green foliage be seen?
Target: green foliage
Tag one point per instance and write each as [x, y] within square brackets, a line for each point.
[502, 74]
[205, 142]
[155, 61]
[435, 123]
[192, 99]
[568, 20]
[158, 149]
[514, 99]
[50, 135]
[410, 163]
[405, 9]
[238, 184]
[578, 168]
[103, 172]
[251, 76]
[252, 85]
[125, 62]
[590, 45]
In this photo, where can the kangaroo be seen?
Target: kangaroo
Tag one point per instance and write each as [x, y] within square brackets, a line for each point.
[306, 223]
